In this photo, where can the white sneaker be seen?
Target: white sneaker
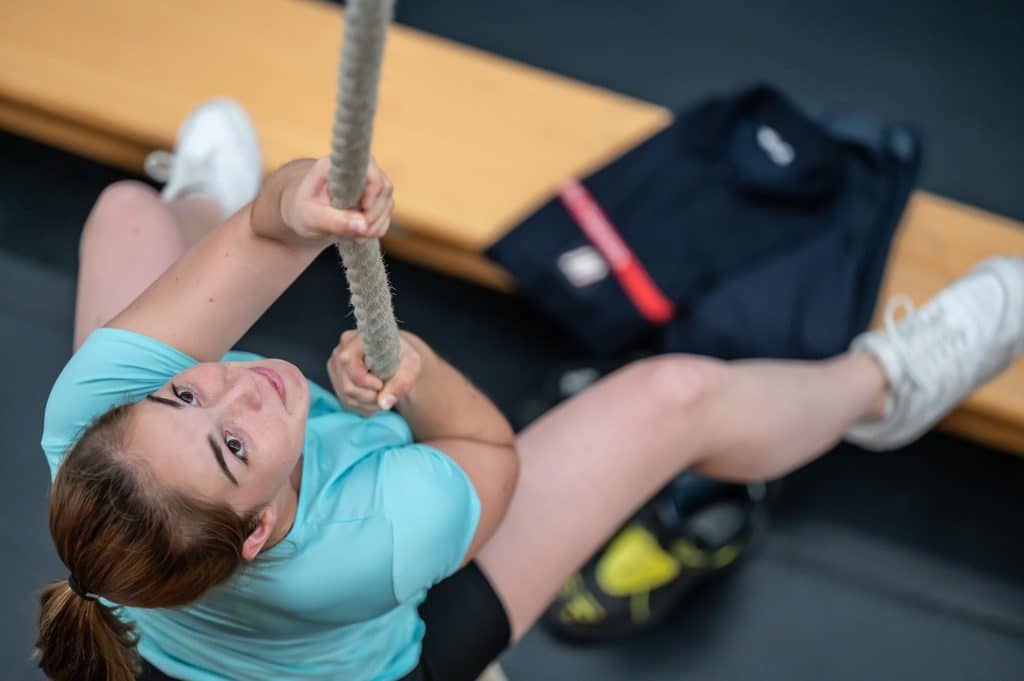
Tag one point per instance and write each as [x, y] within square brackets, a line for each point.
[217, 153]
[935, 357]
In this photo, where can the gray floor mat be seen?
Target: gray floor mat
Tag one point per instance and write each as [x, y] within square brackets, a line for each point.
[770, 621]
[35, 341]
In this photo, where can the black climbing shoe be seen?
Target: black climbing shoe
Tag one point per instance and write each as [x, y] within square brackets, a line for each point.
[658, 558]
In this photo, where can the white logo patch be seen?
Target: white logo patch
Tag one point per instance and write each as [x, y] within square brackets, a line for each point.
[583, 266]
[779, 150]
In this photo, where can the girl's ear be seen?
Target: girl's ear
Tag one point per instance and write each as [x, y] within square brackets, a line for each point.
[255, 542]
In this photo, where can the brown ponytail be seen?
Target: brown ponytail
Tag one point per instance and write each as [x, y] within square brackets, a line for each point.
[66, 620]
[132, 543]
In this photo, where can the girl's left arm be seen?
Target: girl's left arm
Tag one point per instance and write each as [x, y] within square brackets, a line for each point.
[210, 297]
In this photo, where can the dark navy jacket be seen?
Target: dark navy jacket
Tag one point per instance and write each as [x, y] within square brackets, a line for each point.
[765, 231]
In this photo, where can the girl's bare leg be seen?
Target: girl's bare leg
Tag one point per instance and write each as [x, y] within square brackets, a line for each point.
[130, 238]
[591, 462]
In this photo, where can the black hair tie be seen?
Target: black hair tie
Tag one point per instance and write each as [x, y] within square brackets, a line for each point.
[79, 591]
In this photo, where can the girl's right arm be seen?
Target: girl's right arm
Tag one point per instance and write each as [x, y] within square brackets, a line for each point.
[211, 296]
[443, 410]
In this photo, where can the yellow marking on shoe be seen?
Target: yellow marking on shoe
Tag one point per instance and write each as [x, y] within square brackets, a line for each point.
[640, 607]
[634, 563]
[689, 555]
[582, 608]
[573, 586]
[725, 555]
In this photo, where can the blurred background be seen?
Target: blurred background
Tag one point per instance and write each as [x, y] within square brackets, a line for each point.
[896, 566]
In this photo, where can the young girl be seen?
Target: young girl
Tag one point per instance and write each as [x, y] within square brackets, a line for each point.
[223, 518]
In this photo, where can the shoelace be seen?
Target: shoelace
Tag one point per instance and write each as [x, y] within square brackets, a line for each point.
[161, 165]
[925, 341]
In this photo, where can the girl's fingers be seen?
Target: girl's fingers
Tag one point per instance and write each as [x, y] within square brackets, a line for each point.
[378, 186]
[379, 227]
[399, 385]
[363, 377]
[372, 193]
[315, 182]
[390, 395]
[340, 223]
[370, 221]
[354, 384]
[357, 396]
[378, 209]
[349, 358]
[379, 230]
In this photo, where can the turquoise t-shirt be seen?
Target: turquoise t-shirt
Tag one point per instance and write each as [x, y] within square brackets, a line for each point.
[380, 520]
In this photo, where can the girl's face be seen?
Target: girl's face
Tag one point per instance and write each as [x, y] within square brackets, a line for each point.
[225, 432]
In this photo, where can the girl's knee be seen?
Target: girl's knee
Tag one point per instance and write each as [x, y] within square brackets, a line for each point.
[125, 197]
[123, 205]
[679, 382]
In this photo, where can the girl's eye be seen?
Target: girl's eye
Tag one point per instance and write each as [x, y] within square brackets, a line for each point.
[184, 394]
[235, 446]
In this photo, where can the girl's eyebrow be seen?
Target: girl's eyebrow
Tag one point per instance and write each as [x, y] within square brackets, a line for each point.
[220, 459]
[164, 400]
[217, 453]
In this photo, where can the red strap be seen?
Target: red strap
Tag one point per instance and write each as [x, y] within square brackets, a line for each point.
[645, 295]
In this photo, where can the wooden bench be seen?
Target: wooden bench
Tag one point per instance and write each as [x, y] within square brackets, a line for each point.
[474, 142]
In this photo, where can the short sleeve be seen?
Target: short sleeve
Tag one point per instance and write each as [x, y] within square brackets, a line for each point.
[111, 368]
[434, 511]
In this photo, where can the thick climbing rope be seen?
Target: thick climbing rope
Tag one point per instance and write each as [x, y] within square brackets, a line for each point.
[366, 24]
